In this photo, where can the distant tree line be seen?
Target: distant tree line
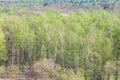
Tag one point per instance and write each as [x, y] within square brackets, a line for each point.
[71, 1]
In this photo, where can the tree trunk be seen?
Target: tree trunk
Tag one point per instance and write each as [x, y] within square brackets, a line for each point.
[85, 76]
[8, 61]
[108, 77]
[117, 65]
[116, 75]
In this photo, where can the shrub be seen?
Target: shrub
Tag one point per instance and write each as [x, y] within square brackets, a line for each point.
[45, 68]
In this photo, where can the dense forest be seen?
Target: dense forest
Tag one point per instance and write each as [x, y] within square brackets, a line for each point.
[52, 45]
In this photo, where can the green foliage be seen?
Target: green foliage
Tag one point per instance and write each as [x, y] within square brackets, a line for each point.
[77, 40]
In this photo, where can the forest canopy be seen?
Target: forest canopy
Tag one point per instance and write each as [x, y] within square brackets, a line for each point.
[82, 42]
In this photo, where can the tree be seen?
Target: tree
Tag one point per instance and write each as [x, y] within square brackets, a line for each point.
[2, 47]
[116, 39]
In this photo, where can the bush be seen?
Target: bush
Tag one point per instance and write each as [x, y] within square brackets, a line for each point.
[13, 70]
[45, 68]
[2, 70]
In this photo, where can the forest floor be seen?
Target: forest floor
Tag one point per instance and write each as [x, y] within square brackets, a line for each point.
[26, 75]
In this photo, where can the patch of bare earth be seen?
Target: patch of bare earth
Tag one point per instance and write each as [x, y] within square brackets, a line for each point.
[28, 74]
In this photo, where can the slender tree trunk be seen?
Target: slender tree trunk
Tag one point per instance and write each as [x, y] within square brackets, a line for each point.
[116, 75]
[117, 65]
[108, 77]
[85, 76]
[8, 61]
[21, 59]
